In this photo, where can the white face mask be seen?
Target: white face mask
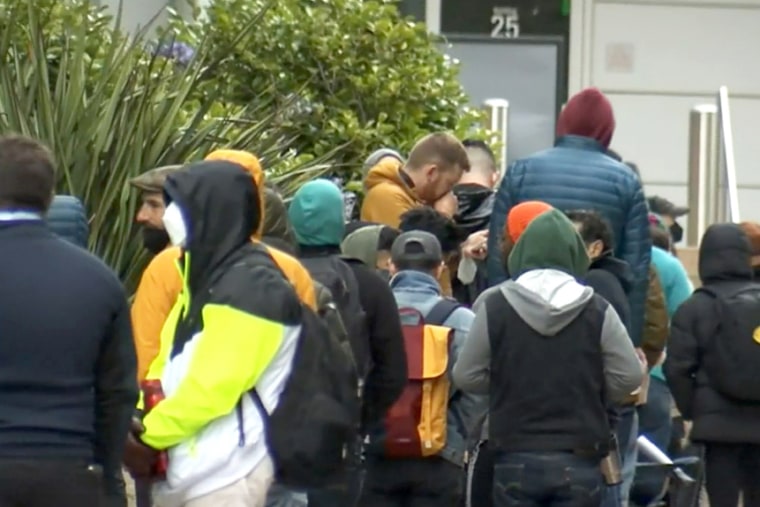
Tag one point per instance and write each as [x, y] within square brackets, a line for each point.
[175, 225]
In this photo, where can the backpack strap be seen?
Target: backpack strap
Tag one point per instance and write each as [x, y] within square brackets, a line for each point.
[441, 311]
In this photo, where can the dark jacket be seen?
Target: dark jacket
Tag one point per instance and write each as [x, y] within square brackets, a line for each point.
[387, 377]
[316, 215]
[475, 207]
[611, 279]
[473, 215]
[723, 262]
[578, 174]
[67, 360]
[68, 219]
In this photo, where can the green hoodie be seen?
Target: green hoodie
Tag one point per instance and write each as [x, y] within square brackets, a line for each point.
[316, 214]
[549, 242]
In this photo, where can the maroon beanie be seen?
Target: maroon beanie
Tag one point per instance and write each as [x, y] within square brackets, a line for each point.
[588, 114]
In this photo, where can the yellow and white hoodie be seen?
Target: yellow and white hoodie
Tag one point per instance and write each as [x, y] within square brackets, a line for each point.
[234, 327]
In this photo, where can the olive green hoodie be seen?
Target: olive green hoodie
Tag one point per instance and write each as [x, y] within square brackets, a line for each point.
[546, 263]
[549, 242]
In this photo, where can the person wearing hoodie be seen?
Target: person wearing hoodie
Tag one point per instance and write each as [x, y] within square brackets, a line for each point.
[157, 293]
[67, 218]
[728, 427]
[433, 480]
[480, 462]
[475, 197]
[393, 187]
[277, 231]
[316, 215]
[611, 279]
[234, 329]
[551, 354]
[371, 244]
[577, 173]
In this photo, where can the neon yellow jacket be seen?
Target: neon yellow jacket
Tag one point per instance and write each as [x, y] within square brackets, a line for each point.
[234, 327]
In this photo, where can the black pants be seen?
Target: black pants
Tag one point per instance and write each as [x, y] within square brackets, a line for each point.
[424, 482]
[46, 483]
[731, 469]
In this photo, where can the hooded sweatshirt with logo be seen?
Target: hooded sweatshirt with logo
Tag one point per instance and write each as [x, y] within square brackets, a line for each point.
[233, 328]
[161, 283]
[578, 173]
[388, 194]
[316, 215]
[561, 380]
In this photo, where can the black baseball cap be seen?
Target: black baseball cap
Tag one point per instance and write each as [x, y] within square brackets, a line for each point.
[663, 206]
[416, 246]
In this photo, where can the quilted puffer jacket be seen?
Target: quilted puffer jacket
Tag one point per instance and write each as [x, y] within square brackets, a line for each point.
[68, 219]
[577, 173]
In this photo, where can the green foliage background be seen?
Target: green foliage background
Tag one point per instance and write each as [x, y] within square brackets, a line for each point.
[310, 86]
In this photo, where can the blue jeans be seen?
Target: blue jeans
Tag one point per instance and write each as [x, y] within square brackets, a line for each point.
[656, 424]
[548, 479]
[627, 433]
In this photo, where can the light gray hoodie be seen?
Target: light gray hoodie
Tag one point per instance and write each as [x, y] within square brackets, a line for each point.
[548, 300]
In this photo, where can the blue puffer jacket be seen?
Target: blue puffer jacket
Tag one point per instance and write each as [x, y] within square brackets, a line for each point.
[68, 219]
[578, 174]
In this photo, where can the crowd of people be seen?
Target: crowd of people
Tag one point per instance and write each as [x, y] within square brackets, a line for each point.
[472, 339]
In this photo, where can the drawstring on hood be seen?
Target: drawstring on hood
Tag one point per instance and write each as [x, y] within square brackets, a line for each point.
[220, 203]
[724, 254]
[316, 214]
[588, 114]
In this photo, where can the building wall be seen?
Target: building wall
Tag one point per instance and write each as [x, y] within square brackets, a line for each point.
[136, 14]
[656, 59]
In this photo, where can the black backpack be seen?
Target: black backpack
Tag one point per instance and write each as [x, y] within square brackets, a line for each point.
[732, 356]
[335, 274]
[311, 432]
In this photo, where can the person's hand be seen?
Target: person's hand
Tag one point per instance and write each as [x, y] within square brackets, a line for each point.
[447, 205]
[138, 457]
[642, 360]
[136, 426]
[476, 245]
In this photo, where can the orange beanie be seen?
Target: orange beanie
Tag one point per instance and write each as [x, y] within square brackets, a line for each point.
[521, 216]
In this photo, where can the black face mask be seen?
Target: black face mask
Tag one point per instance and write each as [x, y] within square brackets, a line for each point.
[676, 232]
[154, 240]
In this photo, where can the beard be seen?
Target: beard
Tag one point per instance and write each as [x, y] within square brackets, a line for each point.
[154, 239]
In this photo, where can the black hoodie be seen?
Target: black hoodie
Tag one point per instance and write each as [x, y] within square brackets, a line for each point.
[724, 262]
[612, 279]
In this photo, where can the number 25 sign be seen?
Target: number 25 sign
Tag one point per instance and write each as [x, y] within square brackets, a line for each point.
[505, 23]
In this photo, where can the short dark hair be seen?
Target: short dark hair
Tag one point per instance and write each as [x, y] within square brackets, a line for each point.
[440, 148]
[482, 146]
[449, 235]
[27, 174]
[592, 228]
[386, 238]
[660, 237]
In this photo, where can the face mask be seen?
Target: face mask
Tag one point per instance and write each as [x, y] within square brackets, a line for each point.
[154, 240]
[676, 232]
[175, 225]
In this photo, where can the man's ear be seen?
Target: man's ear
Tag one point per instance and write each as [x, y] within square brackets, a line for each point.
[494, 178]
[392, 267]
[439, 269]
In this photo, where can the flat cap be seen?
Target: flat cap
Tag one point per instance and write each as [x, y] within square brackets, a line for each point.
[153, 180]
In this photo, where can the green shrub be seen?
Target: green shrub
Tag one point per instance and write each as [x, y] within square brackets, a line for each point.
[372, 77]
[109, 110]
